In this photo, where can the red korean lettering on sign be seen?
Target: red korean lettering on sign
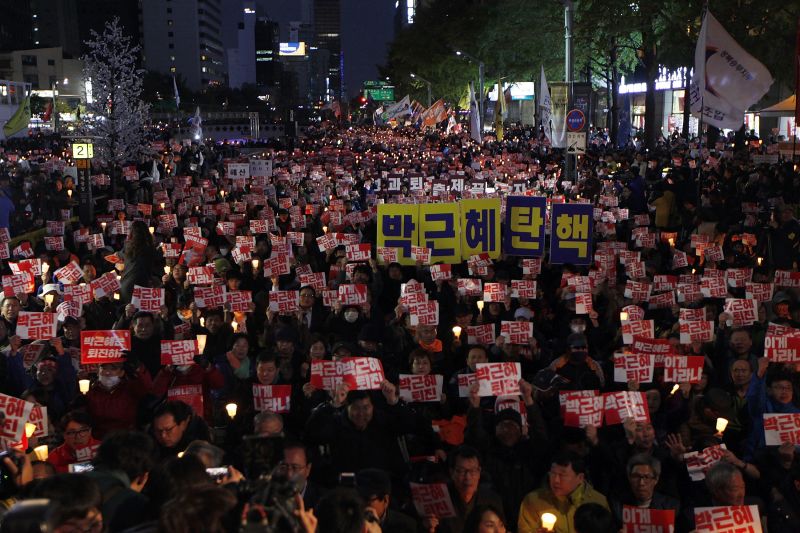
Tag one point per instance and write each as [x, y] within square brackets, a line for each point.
[148, 299]
[644, 520]
[191, 395]
[179, 352]
[634, 367]
[284, 302]
[683, 368]
[637, 328]
[483, 334]
[16, 412]
[415, 388]
[516, 332]
[353, 294]
[523, 288]
[200, 275]
[22, 283]
[498, 379]
[432, 499]
[698, 463]
[239, 301]
[637, 291]
[425, 313]
[618, 406]
[727, 519]
[358, 252]
[743, 311]
[36, 326]
[209, 297]
[581, 408]
[781, 427]
[469, 287]
[696, 331]
[760, 292]
[104, 346]
[441, 272]
[273, 398]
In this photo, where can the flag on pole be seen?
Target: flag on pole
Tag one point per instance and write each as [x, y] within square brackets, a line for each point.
[48, 112]
[434, 114]
[20, 119]
[727, 80]
[624, 122]
[499, 111]
[177, 96]
[196, 123]
[797, 77]
[451, 125]
[474, 118]
[397, 109]
[545, 108]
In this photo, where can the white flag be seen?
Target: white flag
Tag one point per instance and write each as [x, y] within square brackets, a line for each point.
[196, 128]
[474, 119]
[545, 108]
[177, 96]
[397, 109]
[727, 80]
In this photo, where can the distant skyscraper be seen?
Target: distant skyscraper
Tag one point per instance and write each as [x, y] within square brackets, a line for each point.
[184, 38]
[55, 23]
[239, 24]
[16, 28]
[327, 23]
[268, 71]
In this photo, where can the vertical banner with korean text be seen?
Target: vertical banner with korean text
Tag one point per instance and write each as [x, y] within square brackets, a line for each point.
[524, 226]
[398, 227]
[439, 230]
[571, 234]
[480, 227]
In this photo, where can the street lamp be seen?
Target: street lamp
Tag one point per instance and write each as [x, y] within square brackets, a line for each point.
[480, 83]
[426, 82]
[53, 88]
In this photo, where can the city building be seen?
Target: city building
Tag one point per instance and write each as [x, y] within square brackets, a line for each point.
[45, 69]
[267, 63]
[327, 23]
[239, 39]
[184, 37]
[54, 25]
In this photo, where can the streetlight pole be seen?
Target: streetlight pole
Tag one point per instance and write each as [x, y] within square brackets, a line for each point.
[569, 16]
[480, 83]
[426, 82]
[53, 89]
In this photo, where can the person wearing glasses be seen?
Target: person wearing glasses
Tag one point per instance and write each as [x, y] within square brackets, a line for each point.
[79, 445]
[643, 472]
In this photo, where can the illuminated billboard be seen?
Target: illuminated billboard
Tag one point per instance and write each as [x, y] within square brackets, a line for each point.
[293, 49]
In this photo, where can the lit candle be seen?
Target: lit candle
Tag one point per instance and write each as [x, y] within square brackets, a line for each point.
[548, 521]
[41, 452]
[201, 341]
[760, 260]
[45, 268]
[235, 326]
[116, 294]
[167, 269]
[152, 230]
[202, 322]
[722, 423]
[480, 306]
[671, 242]
[623, 316]
[255, 263]
[30, 429]
[103, 225]
[83, 385]
[674, 389]
[457, 331]
[48, 299]
[69, 193]
[231, 409]
[163, 205]
[324, 229]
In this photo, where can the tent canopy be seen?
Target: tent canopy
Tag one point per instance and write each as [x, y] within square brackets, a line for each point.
[781, 109]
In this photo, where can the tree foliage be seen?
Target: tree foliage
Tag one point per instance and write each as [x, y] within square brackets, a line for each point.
[117, 114]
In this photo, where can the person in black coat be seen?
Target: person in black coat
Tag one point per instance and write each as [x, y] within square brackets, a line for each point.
[643, 472]
[375, 488]
[360, 432]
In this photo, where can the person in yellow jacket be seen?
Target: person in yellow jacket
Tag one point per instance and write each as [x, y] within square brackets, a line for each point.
[565, 491]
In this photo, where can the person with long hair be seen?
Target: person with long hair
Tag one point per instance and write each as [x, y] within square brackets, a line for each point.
[140, 259]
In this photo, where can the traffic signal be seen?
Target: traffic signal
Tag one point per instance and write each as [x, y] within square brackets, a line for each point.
[362, 100]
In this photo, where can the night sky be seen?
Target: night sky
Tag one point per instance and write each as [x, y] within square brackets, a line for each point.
[367, 29]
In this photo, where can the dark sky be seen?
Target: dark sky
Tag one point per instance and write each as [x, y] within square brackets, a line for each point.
[367, 29]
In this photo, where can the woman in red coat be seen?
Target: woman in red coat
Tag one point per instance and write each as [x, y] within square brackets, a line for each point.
[113, 399]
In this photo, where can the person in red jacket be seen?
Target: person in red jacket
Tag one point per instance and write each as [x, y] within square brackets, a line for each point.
[202, 373]
[79, 445]
[113, 399]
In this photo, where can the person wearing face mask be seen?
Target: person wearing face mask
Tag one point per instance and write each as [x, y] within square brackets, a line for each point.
[582, 371]
[201, 372]
[344, 323]
[113, 399]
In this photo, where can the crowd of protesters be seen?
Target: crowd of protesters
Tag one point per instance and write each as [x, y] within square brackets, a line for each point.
[352, 455]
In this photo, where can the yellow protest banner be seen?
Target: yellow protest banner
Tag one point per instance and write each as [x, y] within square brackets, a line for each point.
[480, 227]
[439, 230]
